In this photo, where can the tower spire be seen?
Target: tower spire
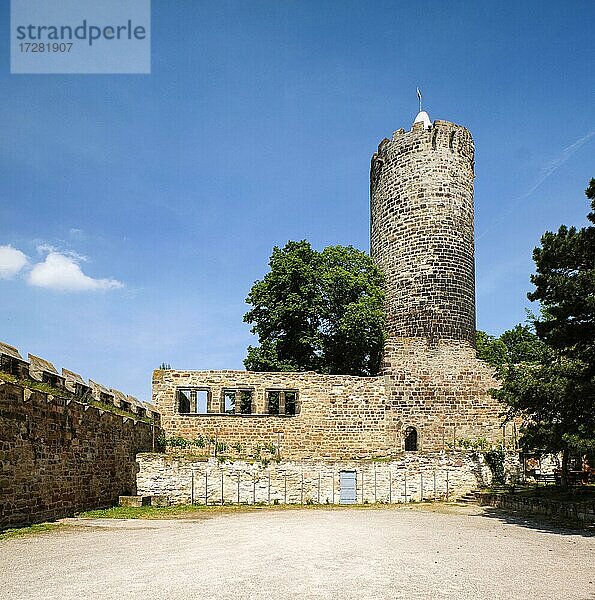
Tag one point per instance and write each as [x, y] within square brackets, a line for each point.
[422, 115]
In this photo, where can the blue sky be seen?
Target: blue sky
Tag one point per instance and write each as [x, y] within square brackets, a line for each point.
[159, 197]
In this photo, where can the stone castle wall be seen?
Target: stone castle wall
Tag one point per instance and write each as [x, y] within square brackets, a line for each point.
[444, 390]
[411, 477]
[344, 417]
[59, 456]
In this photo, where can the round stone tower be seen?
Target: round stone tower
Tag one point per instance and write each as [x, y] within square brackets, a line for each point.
[421, 194]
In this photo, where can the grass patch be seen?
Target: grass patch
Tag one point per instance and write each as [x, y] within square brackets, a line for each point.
[147, 512]
[181, 511]
[32, 529]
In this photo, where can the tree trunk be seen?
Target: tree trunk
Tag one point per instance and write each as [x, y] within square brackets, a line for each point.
[565, 460]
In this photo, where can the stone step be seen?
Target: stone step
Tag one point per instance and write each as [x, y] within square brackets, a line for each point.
[469, 497]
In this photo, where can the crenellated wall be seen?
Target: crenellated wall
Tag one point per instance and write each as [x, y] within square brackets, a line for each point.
[59, 456]
[41, 371]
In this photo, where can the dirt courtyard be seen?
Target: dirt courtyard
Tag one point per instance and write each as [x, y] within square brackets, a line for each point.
[413, 553]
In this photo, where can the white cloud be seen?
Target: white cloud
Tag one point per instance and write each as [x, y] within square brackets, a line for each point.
[62, 272]
[11, 261]
[45, 249]
[49, 249]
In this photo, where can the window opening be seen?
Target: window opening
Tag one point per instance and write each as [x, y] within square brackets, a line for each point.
[290, 402]
[229, 402]
[246, 402]
[273, 399]
[193, 401]
[281, 402]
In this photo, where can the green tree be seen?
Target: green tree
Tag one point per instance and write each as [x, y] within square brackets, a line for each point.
[490, 348]
[320, 311]
[555, 391]
[517, 345]
[565, 286]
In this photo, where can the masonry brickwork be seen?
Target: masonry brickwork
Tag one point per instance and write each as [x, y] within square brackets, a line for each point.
[59, 456]
[342, 417]
[413, 477]
[336, 416]
[443, 389]
[421, 233]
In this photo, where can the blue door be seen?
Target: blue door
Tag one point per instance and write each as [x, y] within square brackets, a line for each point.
[347, 487]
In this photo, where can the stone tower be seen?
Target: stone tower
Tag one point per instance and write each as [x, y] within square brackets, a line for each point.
[421, 191]
[421, 195]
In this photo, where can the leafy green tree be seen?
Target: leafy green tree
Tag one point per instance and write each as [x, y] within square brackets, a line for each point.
[490, 348]
[319, 311]
[517, 345]
[555, 390]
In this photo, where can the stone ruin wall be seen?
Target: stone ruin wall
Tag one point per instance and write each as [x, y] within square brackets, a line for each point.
[413, 477]
[343, 417]
[338, 416]
[59, 456]
[446, 390]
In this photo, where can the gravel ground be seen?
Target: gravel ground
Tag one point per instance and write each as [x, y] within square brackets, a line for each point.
[410, 553]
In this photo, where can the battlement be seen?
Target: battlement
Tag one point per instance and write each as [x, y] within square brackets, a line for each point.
[441, 135]
[41, 371]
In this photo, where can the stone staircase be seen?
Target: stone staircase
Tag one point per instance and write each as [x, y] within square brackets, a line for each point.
[471, 497]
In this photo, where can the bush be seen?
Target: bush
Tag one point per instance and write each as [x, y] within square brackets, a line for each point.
[495, 460]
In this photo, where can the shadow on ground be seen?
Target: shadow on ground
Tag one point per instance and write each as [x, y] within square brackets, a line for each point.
[543, 523]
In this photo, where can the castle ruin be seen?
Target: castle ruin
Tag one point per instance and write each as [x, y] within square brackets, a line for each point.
[432, 390]
[290, 437]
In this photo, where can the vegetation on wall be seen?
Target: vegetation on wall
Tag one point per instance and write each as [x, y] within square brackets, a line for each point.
[317, 311]
[495, 461]
[207, 446]
[493, 454]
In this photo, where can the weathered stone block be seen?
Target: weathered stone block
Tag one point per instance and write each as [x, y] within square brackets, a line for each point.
[134, 501]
